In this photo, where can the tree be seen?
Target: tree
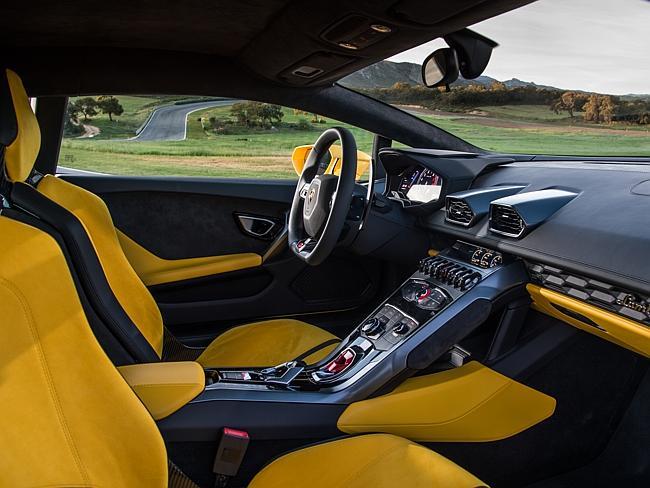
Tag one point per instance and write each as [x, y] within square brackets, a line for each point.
[72, 112]
[607, 108]
[569, 102]
[592, 109]
[270, 114]
[110, 105]
[498, 86]
[599, 108]
[86, 106]
[241, 112]
[251, 114]
[71, 126]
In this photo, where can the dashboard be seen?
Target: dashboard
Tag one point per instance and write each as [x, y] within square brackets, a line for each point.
[579, 228]
[601, 231]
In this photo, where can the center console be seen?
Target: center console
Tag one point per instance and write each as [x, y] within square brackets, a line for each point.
[449, 296]
[439, 282]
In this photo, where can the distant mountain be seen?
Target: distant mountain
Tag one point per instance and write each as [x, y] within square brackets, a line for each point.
[386, 73]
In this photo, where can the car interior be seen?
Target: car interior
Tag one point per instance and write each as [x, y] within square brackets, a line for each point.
[430, 314]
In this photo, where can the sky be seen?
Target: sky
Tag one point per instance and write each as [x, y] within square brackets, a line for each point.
[592, 45]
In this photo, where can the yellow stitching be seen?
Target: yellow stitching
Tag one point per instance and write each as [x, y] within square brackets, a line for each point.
[50, 383]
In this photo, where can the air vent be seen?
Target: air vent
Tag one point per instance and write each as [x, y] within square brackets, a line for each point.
[506, 221]
[459, 212]
[517, 215]
[467, 207]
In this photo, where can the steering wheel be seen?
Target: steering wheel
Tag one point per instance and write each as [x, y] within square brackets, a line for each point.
[321, 202]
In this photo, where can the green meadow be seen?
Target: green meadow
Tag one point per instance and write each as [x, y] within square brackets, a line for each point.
[265, 153]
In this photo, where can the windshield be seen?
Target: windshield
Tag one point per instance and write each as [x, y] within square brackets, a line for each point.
[568, 78]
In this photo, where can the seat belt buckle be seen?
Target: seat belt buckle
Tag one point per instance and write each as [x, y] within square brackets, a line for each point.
[230, 452]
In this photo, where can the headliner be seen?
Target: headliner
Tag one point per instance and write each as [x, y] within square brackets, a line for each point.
[269, 38]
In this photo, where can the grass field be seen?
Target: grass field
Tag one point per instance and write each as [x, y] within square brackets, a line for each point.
[266, 153]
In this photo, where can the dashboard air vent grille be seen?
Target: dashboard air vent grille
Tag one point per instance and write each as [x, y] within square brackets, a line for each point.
[459, 212]
[506, 221]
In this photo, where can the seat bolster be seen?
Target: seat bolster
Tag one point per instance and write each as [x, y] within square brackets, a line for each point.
[266, 343]
[377, 460]
[21, 151]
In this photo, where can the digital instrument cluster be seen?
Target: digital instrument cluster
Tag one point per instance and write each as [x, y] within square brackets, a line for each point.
[418, 175]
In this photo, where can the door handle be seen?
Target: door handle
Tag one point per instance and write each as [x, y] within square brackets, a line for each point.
[257, 226]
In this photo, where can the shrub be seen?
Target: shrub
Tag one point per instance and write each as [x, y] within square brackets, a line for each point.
[303, 124]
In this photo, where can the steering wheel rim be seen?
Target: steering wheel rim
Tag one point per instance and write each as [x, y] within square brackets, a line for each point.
[314, 249]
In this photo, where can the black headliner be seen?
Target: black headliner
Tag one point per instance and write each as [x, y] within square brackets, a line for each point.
[267, 37]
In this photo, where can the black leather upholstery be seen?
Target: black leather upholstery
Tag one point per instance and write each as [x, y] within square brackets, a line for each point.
[8, 122]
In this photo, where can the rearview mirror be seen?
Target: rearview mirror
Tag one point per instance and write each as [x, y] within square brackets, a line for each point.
[440, 68]
[333, 166]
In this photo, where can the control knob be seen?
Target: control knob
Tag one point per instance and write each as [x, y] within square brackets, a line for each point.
[401, 328]
[373, 327]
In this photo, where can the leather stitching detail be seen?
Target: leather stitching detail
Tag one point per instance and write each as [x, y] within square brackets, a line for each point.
[13, 289]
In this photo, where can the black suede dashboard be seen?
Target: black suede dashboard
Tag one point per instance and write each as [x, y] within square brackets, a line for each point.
[603, 233]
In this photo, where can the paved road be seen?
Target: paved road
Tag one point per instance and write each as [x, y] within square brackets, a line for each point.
[63, 171]
[169, 123]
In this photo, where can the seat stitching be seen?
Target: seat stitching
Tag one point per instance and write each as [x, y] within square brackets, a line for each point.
[48, 377]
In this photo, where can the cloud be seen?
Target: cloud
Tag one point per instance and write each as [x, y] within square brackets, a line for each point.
[592, 45]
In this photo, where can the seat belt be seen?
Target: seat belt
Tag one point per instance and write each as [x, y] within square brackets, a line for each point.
[315, 349]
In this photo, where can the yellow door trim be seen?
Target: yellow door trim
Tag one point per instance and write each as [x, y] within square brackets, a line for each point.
[156, 271]
[604, 324]
[472, 403]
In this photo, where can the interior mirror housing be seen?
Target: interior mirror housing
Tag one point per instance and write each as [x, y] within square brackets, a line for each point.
[440, 68]
[473, 51]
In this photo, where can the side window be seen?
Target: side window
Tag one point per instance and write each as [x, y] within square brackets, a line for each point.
[188, 136]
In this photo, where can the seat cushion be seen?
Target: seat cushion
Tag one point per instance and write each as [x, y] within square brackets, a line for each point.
[266, 343]
[378, 460]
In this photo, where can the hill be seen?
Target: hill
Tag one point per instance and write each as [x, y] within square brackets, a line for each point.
[386, 73]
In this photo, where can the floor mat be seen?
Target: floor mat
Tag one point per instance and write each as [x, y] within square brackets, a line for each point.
[626, 459]
[594, 383]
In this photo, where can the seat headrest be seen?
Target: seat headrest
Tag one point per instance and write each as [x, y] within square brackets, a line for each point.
[19, 131]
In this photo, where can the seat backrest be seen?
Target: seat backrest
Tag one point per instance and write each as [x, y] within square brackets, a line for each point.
[67, 417]
[90, 214]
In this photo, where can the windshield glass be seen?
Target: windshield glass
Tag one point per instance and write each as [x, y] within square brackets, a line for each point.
[568, 78]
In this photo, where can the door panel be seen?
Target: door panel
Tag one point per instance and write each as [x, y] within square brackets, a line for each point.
[192, 223]
[175, 225]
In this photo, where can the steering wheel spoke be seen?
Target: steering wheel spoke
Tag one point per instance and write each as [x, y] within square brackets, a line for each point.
[304, 190]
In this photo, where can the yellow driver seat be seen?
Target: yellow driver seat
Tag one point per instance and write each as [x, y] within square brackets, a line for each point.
[264, 343]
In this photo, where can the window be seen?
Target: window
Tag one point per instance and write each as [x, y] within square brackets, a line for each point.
[188, 136]
[568, 78]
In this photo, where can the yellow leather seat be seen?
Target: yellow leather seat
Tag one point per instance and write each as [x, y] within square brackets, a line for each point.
[68, 418]
[260, 344]
[374, 460]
